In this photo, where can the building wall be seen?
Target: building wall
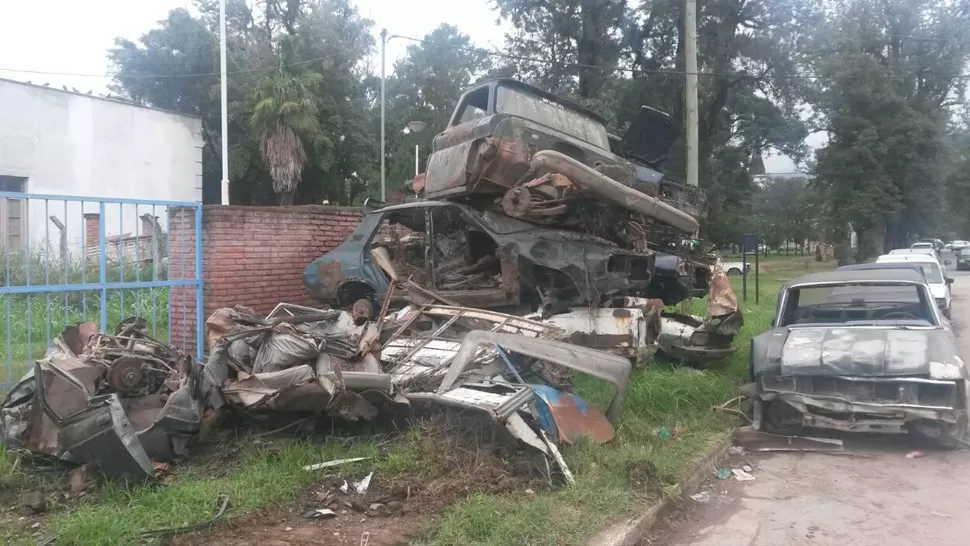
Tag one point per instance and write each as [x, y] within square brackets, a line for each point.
[68, 143]
[252, 256]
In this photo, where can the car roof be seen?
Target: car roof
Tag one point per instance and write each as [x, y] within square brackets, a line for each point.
[923, 244]
[860, 275]
[910, 264]
[902, 258]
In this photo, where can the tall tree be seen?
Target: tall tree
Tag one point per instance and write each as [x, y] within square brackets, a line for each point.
[175, 66]
[284, 116]
[890, 77]
[425, 86]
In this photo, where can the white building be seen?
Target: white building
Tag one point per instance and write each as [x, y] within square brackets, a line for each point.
[68, 143]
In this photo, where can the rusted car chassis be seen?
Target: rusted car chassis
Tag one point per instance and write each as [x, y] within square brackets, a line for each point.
[478, 259]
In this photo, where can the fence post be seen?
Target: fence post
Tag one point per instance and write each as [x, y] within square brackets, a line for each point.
[103, 277]
[199, 309]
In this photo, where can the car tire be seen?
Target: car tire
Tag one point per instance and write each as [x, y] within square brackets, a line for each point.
[943, 435]
[734, 271]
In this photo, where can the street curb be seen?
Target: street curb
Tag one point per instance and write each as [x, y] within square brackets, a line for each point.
[631, 531]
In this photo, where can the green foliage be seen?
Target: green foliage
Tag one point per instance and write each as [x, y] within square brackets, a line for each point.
[326, 40]
[890, 76]
[284, 115]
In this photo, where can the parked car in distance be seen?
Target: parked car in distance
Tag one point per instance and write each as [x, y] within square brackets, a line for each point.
[937, 243]
[963, 260]
[736, 268]
[859, 351]
[933, 273]
[958, 245]
[921, 251]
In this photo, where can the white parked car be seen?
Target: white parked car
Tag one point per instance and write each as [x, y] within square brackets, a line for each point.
[736, 268]
[957, 246]
[922, 251]
[935, 277]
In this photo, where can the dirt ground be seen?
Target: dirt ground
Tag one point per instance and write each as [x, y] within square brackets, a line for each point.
[389, 513]
[873, 496]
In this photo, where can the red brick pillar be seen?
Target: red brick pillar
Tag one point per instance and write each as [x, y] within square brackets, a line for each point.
[92, 232]
[181, 266]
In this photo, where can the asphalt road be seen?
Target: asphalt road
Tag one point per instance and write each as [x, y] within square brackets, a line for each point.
[873, 496]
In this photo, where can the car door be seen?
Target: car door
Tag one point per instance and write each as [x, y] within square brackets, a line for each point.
[465, 263]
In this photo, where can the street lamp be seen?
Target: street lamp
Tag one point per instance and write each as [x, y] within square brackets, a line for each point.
[416, 127]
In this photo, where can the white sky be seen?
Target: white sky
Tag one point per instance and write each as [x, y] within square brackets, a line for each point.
[72, 36]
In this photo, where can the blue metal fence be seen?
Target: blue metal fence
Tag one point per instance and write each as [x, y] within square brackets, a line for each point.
[70, 259]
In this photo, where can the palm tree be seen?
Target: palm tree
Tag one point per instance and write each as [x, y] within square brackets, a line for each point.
[284, 116]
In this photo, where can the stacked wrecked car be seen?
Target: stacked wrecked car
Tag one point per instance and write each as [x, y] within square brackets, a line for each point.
[529, 205]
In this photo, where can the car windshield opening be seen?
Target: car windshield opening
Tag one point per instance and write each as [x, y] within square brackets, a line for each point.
[857, 303]
[510, 100]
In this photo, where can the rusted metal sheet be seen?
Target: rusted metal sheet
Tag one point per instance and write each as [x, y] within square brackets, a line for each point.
[721, 299]
[628, 332]
[571, 417]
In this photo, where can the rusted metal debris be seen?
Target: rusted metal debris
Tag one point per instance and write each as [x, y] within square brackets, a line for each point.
[117, 401]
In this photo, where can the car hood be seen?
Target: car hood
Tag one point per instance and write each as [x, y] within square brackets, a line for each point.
[855, 351]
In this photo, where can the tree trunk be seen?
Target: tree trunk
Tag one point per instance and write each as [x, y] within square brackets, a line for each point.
[286, 198]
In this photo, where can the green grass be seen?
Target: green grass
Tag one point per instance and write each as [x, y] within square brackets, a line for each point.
[269, 473]
[659, 396]
[28, 322]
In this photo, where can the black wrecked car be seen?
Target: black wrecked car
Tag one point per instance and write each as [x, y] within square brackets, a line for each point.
[860, 351]
[474, 258]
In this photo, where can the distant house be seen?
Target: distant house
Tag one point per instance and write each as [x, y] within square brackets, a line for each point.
[69, 143]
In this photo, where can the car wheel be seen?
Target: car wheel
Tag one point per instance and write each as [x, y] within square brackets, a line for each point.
[948, 436]
[734, 271]
[781, 418]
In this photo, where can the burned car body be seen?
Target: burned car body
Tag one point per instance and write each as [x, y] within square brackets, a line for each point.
[541, 157]
[861, 350]
[475, 258]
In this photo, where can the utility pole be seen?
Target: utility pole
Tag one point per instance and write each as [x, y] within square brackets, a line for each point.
[383, 48]
[690, 89]
[225, 114]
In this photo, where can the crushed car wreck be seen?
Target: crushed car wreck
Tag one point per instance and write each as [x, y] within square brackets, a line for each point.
[119, 402]
[860, 351]
[125, 401]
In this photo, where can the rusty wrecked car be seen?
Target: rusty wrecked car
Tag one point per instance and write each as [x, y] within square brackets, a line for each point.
[859, 351]
[473, 258]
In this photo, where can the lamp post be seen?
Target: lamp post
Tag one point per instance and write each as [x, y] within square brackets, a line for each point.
[222, 91]
[416, 127]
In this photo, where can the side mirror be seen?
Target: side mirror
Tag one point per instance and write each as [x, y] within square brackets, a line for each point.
[947, 262]
[949, 280]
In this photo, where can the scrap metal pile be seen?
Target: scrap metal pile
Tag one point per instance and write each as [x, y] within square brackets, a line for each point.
[125, 401]
[120, 401]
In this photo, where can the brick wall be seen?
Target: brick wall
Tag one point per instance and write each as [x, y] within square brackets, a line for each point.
[251, 256]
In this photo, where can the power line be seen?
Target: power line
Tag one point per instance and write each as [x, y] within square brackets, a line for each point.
[671, 72]
[165, 76]
[509, 56]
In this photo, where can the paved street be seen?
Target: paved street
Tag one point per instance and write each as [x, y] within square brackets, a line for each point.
[875, 498]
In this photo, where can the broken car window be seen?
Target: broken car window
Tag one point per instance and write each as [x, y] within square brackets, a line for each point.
[520, 103]
[475, 106]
